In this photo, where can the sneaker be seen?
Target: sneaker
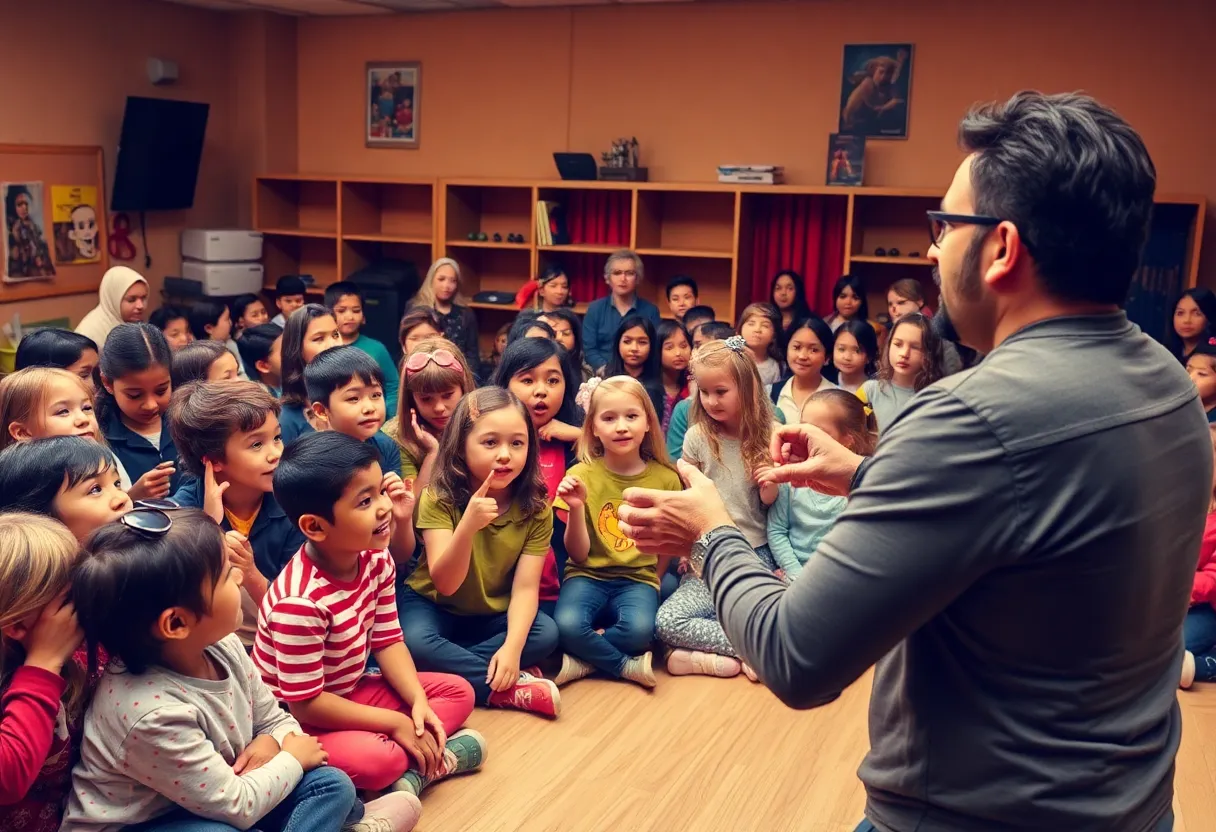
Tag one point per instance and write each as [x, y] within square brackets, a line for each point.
[464, 752]
[1188, 670]
[572, 670]
[640, 669]
[534, 670]
[395, 812]
[539, 696]
[694, 662]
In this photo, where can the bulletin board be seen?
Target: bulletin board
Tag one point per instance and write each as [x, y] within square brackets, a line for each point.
[58, 182]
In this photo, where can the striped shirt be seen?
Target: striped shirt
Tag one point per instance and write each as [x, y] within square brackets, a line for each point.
[315, 633]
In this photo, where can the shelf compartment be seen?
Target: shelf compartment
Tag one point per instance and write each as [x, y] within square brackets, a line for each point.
[359, 253]
[296, 205]
[389, 210]
[489, 269]
[489, 209]
[594, 217]
[284, 254]
[680, 221]
[891, 222]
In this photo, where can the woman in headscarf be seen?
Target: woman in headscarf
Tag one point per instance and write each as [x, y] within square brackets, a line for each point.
[122, 298]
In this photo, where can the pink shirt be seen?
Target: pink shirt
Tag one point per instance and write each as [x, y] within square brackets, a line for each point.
[551, 456]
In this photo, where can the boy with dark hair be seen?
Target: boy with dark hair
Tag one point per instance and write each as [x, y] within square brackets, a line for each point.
[682, 295]
[695, 316]
[345, 300]
[262, 354]
[334, 606]
[288, 297]
[346, 389]
[227, 437]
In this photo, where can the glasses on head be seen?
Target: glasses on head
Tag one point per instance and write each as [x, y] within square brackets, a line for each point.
[418, 361]
[941, 223]
[151, 522]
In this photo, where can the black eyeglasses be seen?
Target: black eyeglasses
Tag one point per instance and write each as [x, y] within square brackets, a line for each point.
[150, 517]
[941, 221]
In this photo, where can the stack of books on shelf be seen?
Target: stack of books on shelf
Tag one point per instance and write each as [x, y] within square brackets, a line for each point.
[551, 224]
[751, 174]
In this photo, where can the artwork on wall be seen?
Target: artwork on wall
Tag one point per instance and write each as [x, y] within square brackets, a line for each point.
[846, 159]
[26, 254]
[391, 91]
[74, 215]
[874, 89]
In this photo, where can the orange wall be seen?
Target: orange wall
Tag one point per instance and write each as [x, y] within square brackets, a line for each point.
[749, 82]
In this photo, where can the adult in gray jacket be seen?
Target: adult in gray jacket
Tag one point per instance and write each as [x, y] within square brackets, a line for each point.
[1017, 557]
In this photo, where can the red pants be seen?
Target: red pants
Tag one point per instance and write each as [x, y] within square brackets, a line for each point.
[374, 761]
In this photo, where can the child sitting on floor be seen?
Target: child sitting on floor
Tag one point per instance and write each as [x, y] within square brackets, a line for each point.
[334, 606]
[1199, 627]
[346, 389]
[182, 731]
[45, 686]
[345, 299]
[203, 361]
[310, 331]
[262, 354]
[1201, 367]
[608, 581]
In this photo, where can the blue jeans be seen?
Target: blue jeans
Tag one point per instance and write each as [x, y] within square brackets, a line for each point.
[445, 642]
[1199, 635]
[323, 801]
[1166, 824]
[628, 607]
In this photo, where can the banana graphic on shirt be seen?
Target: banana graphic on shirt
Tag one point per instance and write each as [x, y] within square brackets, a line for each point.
[610, 528]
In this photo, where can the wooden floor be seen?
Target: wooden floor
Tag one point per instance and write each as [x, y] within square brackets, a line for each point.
[710, 754]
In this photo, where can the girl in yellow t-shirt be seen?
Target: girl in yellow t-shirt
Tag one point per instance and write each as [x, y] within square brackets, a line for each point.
[608, 581]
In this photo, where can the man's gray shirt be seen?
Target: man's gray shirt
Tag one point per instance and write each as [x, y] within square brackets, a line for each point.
[1017, 558]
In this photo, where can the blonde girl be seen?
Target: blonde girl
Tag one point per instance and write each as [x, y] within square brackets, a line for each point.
[43, 677]
[910, 363]
[434, 377]
[440, 290]
[729, 425]
[608, 581]
[760, 327]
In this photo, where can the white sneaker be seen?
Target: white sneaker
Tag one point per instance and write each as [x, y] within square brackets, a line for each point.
[1188, 670]
[395, 812]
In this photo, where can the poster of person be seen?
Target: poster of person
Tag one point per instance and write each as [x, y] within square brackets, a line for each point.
[74, 215]
[26, 254]
[846, 159]
[874, 90]
[391, 95]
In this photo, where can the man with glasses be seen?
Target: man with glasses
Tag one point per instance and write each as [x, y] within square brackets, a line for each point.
[1017, 557]
[622, 272]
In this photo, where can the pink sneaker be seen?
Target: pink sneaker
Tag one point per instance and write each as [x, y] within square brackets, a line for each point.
[538, 696]
[395, 812]
[694, 662]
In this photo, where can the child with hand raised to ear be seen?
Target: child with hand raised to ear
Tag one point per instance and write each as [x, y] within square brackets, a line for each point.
[183, 733]
[608, 581]
[334, 606]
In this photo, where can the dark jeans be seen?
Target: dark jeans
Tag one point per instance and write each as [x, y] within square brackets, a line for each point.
[323, 800]
[445, 642]
[1166, 824]
[1199, 635]
[627, 607]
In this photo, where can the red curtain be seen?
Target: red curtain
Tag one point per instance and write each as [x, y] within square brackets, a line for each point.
[804, 233]
[594, 218]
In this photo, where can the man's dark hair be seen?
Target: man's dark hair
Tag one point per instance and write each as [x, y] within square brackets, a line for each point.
[336, 368]
[315, 469]
[717, 330]
[203, 415]
[289, 284]
[336, 291]
[1075, 179]
[682, 280]
[255, 344]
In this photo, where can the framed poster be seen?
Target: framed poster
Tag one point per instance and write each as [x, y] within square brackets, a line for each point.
[26, 253]
[846, 159]
[391, 91]
[74, 215]
[874, 88]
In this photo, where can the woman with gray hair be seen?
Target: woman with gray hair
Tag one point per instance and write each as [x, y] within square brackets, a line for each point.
[622, 272]
[440, 291]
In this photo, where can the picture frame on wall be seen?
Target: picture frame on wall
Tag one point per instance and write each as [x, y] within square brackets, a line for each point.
[391, 104]
[875, 85]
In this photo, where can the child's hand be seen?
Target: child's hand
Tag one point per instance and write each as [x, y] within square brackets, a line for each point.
[682, 566]
[258, 753]
[153, 485]
[422, 749]
[306, 749]
[240, 555]
[482, 510]
[572, 490]
[55, 635]
[504, 669]
[425, 719]
[401, 492]
[213, 493]
[428, 442]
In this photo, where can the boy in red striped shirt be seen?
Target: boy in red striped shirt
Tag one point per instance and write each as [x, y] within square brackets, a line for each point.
[334, 605]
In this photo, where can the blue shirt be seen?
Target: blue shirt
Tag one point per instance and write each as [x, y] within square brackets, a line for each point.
[390, 454]
[137, 454]
[387, 366]
[273, 538]
[601, 322]
[292, 423]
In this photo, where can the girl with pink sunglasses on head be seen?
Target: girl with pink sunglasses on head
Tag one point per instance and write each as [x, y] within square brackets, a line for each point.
[434, 377]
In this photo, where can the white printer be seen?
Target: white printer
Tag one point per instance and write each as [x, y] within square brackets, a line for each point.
[224, 261]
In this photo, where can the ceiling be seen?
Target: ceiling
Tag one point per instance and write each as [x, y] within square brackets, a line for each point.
[312, 8]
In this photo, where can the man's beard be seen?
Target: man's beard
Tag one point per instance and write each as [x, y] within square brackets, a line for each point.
[970, 287]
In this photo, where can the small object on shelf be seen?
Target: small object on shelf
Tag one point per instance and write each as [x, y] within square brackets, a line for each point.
[472, 235]
[880, 252]
[846, 159]
[482, 236]
[751, 174]
[914, 254]
[621, 162]
[497, 237]
[893, 252]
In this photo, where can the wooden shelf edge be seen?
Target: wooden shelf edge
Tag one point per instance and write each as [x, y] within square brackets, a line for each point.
[680, 252]
[891, 261]
[581, 248]
[387, 238]
[298, 232]
[488, 244]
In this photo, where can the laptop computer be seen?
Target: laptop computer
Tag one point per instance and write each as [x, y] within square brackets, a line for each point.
[576, 167]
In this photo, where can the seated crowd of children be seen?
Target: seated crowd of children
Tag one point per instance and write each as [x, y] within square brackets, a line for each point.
[269, 592]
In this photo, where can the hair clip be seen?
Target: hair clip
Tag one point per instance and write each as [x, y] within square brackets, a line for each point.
[418, 361]
[735, 343]
[1212, 342]
[474, 410]
[583, 397]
